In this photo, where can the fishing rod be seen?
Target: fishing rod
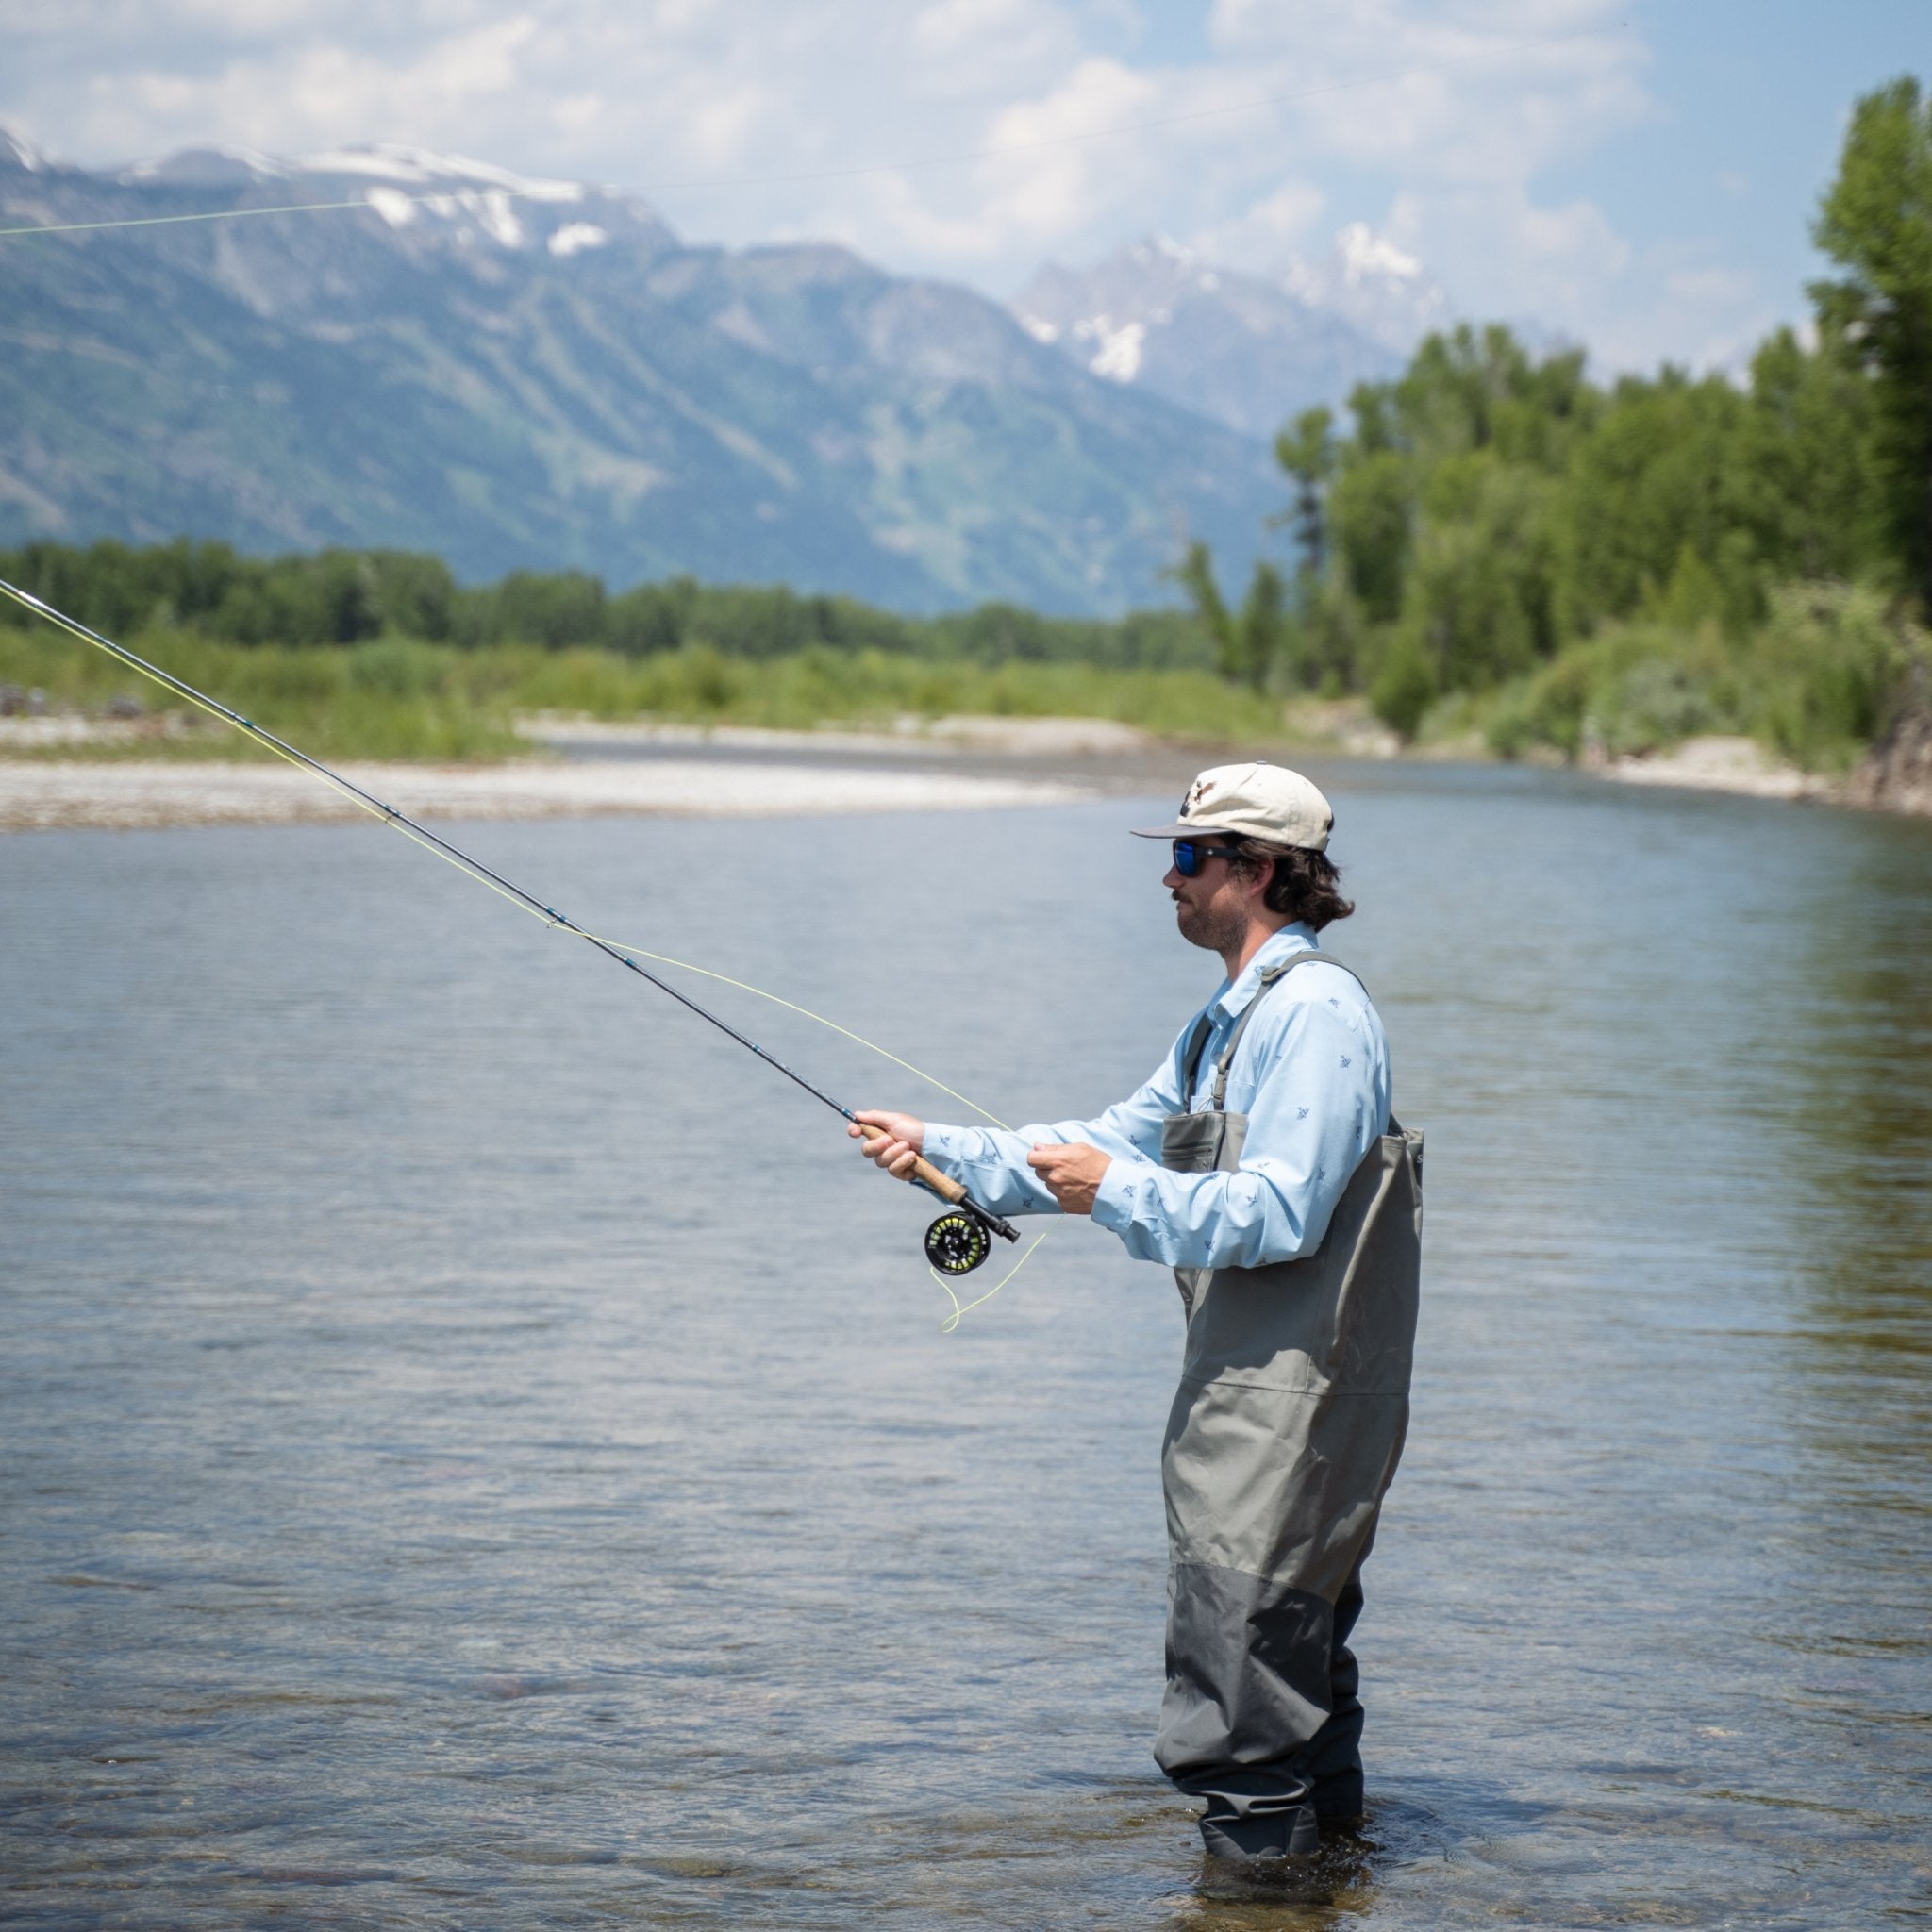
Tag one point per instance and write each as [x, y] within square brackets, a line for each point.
[956, 1243]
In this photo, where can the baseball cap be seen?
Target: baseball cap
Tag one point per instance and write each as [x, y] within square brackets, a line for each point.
[1257, 800]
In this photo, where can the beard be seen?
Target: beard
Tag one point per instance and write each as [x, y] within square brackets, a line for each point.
[1214, 928]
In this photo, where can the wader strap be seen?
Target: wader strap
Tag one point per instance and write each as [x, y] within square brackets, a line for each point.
[1191, 1060]
[1268, 980]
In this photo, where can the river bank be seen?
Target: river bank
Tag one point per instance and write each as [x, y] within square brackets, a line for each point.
[584, 767]
[1895, 776]
[41, 795]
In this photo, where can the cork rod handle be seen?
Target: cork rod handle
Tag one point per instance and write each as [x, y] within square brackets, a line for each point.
[923, 1170]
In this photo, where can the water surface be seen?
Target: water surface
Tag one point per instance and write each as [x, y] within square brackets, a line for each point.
[476, 1450]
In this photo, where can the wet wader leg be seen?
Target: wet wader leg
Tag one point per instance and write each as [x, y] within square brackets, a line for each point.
[1334, 1762]
[1249, 1666]
[1259, 1809]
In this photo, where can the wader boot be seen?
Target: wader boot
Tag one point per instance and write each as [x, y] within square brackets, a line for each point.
[1282, 1441]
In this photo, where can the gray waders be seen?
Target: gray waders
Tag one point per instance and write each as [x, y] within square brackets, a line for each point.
[1281, 1443]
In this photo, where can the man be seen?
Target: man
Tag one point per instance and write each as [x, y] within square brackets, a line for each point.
[1261, 1164]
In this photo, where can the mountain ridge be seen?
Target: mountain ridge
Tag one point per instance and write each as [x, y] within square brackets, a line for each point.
[1249, 351]
[515, 373]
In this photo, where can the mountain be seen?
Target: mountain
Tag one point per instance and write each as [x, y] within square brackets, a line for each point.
[1376, 287]
[538, 373]
[1246, 351]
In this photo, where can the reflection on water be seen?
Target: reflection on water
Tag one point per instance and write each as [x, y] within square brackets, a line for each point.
[474, 1449]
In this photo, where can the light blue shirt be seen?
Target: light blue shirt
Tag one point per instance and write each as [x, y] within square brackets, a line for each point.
[1311, 1073]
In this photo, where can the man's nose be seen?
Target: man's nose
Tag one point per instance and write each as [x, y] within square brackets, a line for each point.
[1173, 881]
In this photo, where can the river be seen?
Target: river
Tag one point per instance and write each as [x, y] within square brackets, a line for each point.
[476, 1449]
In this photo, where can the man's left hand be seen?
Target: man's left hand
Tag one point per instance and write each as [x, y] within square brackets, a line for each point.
[1071, 1172]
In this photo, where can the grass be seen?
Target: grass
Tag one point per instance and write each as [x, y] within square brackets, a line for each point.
[400, 698]
[1813, 684]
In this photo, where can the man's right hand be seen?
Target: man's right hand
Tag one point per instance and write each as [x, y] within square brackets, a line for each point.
[898, 1147]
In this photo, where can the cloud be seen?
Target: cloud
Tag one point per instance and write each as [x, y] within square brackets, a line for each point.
[1438, 121]
[1267, 231]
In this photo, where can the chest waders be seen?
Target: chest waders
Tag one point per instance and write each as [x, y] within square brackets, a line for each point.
[1281, 1443]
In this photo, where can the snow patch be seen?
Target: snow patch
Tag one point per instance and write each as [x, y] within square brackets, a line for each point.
[393, 205]
[1381, 289]
[499, 219]
[574, 237]
[1040, 328]
[1118, 358]
[213, 166]
[1364, 253]
[417, 166]
[22, 153]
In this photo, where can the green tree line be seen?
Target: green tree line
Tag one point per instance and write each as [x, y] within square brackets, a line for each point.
[349, 597]
[1494, 535]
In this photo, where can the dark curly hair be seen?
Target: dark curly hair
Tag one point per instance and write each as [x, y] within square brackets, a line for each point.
[1305, 885]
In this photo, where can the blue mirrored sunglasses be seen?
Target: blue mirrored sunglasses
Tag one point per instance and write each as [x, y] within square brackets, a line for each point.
[1190, 855]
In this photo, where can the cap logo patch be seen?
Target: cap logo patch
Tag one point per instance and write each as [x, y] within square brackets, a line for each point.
[1195, 795]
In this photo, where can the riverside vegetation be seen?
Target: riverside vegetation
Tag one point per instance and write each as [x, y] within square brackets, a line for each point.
[1496, 549]
[381, 654]
[1498, 545]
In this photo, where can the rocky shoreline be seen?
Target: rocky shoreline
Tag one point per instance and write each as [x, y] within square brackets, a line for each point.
[954, 765]
[45, 795]
[1895, 776]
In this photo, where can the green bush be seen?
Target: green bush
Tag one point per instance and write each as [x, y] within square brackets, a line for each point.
[1406, 687]
[1815, 683]
[1829, 666]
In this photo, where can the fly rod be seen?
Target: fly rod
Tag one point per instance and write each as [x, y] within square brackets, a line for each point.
[956, 1243]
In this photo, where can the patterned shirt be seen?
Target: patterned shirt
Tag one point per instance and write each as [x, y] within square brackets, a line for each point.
[1311, 1073]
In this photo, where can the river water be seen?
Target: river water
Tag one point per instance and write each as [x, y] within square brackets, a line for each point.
[476, 1449]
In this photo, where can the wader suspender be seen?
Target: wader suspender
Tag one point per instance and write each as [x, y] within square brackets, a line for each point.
[1197, 1044]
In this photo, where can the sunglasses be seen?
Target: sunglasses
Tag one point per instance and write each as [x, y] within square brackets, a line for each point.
[1190, 855]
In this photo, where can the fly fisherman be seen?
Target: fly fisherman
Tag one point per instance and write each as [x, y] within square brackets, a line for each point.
[1261, 1164]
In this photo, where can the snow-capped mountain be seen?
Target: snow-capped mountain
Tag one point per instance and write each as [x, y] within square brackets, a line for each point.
[1245, 350]
[433, 204]
[519, 372]
[1369, 281]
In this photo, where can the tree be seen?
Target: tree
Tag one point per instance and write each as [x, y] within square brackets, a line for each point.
[1246, 647]
[1264, 624]
[1808, 488]
[1372, 510]
[1875, 222]
[1660, 469]
[1194, 574]
[1307, 452]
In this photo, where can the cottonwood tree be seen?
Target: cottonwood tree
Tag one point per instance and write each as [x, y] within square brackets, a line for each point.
[1876, 223]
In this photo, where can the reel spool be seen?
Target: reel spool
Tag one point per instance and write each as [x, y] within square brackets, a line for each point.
[956, 1243]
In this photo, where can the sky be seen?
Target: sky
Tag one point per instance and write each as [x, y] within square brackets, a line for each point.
[1637, 178]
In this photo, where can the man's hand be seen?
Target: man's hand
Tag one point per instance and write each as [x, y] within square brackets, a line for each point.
[902, 1144]
[1072, 1173]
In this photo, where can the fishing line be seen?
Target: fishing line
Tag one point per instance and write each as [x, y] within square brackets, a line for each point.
[851, 174]
[806, 1012]
[953, 1320]
[956, 1243]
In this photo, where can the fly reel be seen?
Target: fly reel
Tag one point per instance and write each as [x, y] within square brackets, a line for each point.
[959, 1240]
[956, 1243]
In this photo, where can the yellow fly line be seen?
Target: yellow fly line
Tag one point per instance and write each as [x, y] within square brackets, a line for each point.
[259, 736]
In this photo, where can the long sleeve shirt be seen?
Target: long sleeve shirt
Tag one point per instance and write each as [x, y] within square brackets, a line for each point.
[1311, 1073]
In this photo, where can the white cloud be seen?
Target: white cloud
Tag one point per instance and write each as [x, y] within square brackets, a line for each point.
[1266, 231]
[1437, 122]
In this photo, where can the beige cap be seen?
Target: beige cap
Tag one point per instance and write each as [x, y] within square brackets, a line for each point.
[1258, 801]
